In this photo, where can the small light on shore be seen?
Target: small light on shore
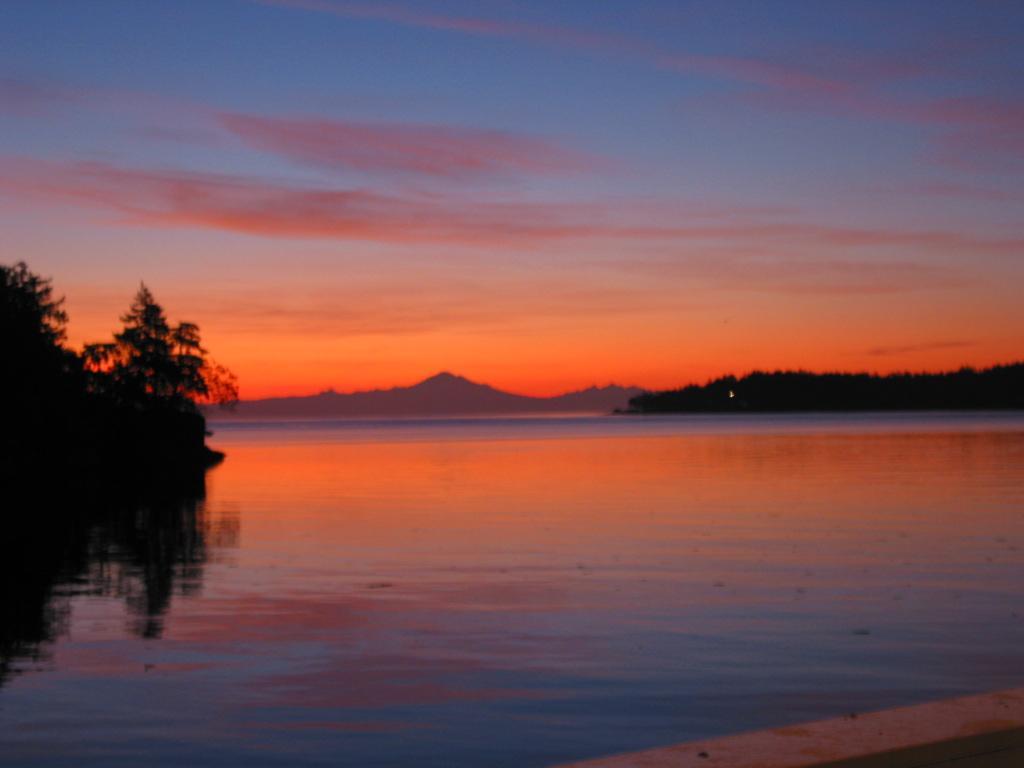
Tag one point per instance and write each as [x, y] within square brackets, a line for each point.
[732, 394]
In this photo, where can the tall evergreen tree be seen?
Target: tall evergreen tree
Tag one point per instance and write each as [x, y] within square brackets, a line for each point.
[32, 334]
[154, 365]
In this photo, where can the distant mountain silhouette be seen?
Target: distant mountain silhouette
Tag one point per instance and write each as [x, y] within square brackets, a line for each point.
[444, 394]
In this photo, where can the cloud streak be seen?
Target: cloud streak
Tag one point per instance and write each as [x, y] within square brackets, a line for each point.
[800, 275]
[964, 132]
[25, 98]
[428, 304]
[973, 131]
[410, 17]
[272, 209]
[907, 349]
[742, 69]
[429, 150]
[36, 98]
[432, 150]
[823, 71]
[959, 190]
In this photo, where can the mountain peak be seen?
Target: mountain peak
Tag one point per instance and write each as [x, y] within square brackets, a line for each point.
[445, 379]
[444, 376]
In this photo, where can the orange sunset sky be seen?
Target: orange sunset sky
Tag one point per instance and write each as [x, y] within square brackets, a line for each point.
[538, 196]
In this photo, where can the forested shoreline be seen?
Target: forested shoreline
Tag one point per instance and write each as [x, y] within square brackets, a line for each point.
[121, 408]
[1000, 387]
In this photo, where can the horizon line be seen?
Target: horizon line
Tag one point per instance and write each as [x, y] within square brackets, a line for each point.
[331, 389]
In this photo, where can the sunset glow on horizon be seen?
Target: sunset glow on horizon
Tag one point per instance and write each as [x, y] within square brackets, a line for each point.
[538, 196]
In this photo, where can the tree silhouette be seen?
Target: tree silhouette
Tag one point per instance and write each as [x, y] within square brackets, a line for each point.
[132, 403]
[154, 365]
[41, 381]
[32, 334]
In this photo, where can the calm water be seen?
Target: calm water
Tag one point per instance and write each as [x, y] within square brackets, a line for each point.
[518, 592]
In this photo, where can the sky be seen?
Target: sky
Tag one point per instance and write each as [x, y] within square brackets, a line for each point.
[540, 195]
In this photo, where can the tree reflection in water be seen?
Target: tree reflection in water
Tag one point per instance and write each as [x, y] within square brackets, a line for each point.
[144, 546]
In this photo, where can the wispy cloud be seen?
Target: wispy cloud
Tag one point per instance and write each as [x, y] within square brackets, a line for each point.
[963, 133]
[433, 150]
[38, 97]
[832, 71]
[975, 131]
[743, 69]
[971, 131]
[762, 234]
[28, 98]
[800, 275]
[922, 347]
[265, 208]
[953, 190]
[426, 304]
[469, 25]
[751, 70]
[273, 209]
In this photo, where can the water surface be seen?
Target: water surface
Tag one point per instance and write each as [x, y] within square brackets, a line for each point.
[519, 592]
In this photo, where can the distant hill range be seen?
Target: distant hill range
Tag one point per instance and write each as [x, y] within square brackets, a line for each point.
[442, 395]
[997, 388]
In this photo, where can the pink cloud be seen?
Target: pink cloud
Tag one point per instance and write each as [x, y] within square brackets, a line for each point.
[271, 209]
[256, 207]
[432, 150]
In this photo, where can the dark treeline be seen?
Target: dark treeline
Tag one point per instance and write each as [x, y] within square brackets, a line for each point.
[128, 404]
[998, 388]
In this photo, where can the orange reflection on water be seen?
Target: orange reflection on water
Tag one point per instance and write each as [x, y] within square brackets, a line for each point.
[611, 498]
[462, 590]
